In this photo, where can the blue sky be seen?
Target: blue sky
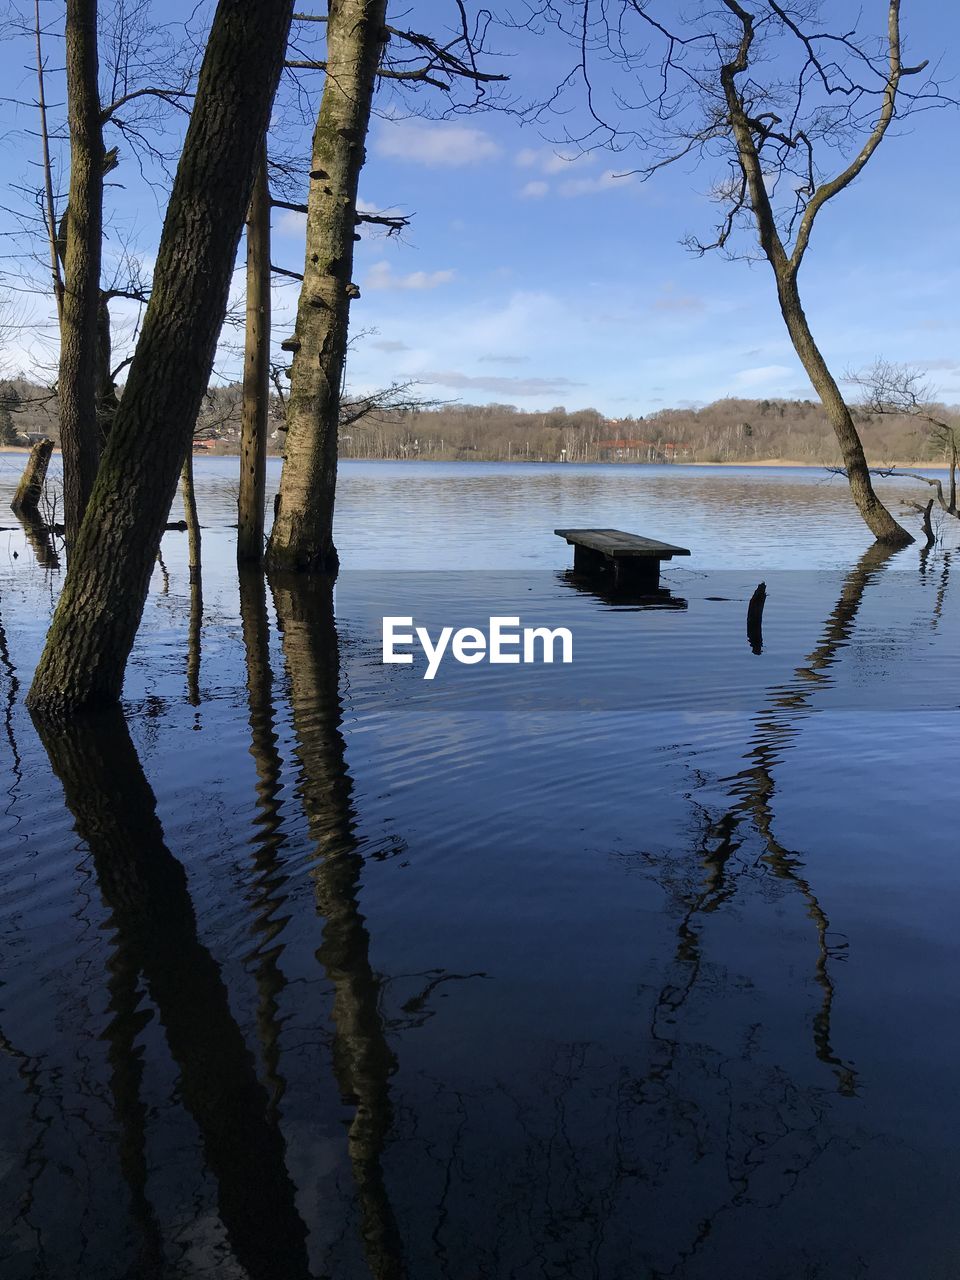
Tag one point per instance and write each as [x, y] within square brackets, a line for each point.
[535, 278]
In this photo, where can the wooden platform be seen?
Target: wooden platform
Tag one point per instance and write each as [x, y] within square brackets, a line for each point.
[628, 559]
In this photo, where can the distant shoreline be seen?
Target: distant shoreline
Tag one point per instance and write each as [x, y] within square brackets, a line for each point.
[752, 462]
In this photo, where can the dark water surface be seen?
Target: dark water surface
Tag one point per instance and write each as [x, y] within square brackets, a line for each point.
[641, 967]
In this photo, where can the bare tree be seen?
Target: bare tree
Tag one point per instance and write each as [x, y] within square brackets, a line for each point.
[777, 91]
[79, 342]
[358, 45]
[900, 390]
[106, 586]
[256, 373]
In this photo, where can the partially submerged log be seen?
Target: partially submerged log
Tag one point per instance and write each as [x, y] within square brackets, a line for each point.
[26, 501]
[755, 618]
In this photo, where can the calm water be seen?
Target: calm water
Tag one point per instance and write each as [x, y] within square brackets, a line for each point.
[641, 967]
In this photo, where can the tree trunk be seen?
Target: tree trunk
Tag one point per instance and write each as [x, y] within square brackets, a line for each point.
[79, 338]
[302, 537]
[876, 516]
[107, 399]
[190, 514]
[256, 374]
[26, 500]
[102, 601]
[195, 628]
[49, 207]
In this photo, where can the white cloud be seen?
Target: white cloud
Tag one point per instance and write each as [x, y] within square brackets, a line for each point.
[762, 374]
[678, 303]
[534, 190]
[499, 386]
[609, 180]
[381, 276]
[291, 223]
[551, 162]
[436, 145]
[389, 344]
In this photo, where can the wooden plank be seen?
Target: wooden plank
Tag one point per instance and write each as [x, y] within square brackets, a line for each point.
[616, 544]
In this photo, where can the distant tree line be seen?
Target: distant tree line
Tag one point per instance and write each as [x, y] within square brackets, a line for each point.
[727, 430]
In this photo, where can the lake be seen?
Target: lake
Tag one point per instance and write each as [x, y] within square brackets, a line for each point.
[643, 966]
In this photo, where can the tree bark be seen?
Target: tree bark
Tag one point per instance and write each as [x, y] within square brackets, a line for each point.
[191, 517]
[194, 554]
[79, 338]
[302, 537]
[107, 399]
[875, 515]
[256, 374]
[26, 500]
[102, 601]
[49, 206]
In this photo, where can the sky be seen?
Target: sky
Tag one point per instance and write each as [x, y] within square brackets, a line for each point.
[534, 275]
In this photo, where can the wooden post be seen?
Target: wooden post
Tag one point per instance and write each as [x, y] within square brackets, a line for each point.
[26, 501]
[586, 560]
[190, 512]
[635, 574]
[256, 374]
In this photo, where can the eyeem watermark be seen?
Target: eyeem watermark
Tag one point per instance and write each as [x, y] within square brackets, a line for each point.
[502, 642]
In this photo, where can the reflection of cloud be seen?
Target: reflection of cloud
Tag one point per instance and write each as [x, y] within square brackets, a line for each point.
[500, 386]
[381, 276]
[436, 145]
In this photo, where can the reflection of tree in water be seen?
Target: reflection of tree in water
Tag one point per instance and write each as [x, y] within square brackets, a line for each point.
[604, 1166]
[41, 540]
[145, 889]
[267, 893]
[752, 791]
[362, 1059]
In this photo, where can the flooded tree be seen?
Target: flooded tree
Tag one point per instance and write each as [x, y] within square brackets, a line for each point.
[356, 38]
[103, 596]
[144, 72]
[778, 92]
[82, 236]
[902, 391]
[302, 535]
[256, 373]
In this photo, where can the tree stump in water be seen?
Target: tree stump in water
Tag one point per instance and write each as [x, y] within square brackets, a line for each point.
[26, 501]
[755, 618]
